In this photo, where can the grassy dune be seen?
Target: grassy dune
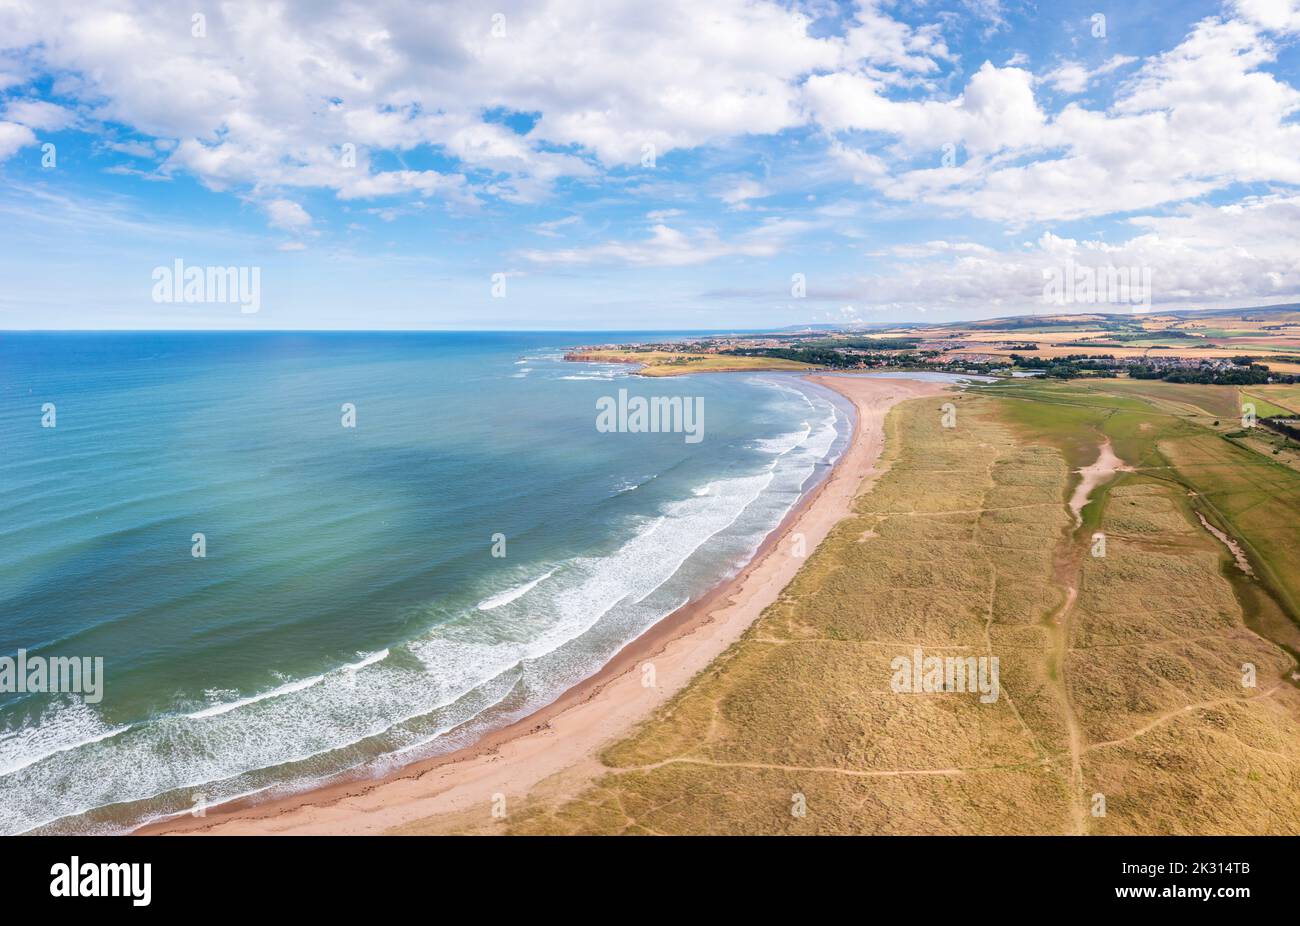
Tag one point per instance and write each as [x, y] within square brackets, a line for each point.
[964, 547]
[1172, 738]
[952, 552]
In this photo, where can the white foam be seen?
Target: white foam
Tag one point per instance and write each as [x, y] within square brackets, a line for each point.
[217, 710]
[509, 595]
[461, 667]
[783, 443]
[633, 486]
[62, 730]
[366, 660]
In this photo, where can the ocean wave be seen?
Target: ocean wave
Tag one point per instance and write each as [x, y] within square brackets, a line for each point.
[63, 729]
[331, 714]
[291, 687]
[783, 443]
[629, 486]
[498, 659]
[367, 659]
[216, 710]
[509, 595]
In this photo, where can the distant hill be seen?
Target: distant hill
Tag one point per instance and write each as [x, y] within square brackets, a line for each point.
[1282, 312]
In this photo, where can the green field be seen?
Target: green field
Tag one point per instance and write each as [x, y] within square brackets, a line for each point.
[1246, 493]
[1274, 400]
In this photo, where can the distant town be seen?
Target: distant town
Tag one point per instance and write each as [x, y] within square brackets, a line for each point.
[1253, 347]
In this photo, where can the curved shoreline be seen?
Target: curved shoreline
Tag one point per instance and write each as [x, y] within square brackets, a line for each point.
[557, 745]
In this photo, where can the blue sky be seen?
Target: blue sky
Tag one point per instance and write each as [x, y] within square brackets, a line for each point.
[630, 165]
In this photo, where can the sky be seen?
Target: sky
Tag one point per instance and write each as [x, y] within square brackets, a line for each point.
[682, 164]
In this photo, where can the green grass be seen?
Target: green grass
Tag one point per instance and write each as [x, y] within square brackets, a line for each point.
[1287, 397]
[1254, 498]
[1250, 495]
[1265, 408]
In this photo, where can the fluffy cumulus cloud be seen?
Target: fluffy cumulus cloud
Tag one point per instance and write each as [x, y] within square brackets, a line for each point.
[407, 103]
[13, 137]
[267, 95]
[996, 111]
[39, 115]
[1193, 120]
[275, 96]
[1197, 256]
[287, 215]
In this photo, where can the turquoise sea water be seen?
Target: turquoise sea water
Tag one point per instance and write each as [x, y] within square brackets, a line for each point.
[349, 614]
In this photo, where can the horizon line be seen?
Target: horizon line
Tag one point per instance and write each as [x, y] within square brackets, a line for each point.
[723, 329]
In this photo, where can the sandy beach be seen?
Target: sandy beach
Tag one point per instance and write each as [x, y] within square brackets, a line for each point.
[553, 751]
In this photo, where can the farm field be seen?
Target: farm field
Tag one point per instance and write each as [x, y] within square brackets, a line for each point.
[1270, 334]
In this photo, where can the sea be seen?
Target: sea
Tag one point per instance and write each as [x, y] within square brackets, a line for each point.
[309, 555]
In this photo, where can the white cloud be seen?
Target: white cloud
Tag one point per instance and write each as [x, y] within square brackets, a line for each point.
[738, 194]
[1070, 77]
[39, 115]
[268, 97]
[551, 229]
[996, 111]
[287, 215]
[669, 247]
[13, 137]
[136, 149]
[266, 104]
[878, 40]
[1190, 121]
[1202, 256]
[1073, 77]
[1273, 15]
[934, 248]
